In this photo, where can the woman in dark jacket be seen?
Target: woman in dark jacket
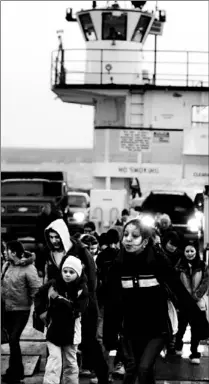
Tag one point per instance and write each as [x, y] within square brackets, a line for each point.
[137, 303]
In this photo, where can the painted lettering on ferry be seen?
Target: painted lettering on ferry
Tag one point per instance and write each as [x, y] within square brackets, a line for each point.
[139, 170]
[123, 169]
[144, 170]
[200, 174]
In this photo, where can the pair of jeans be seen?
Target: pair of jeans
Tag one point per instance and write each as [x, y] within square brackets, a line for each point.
[99, 333]
[119, 358]
[15, 322]
[61, 361]
[93, 357]
[140, 356]
[183, 322]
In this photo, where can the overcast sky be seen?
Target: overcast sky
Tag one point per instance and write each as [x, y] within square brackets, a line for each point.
[30, 114]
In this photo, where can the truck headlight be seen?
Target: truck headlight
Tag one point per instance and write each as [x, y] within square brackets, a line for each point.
[148, 221]
[193, 225]
[79, 217]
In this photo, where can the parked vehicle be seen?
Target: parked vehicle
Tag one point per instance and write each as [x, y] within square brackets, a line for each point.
[179, 206]
[75, 208]
[199, 201]
[23, 195]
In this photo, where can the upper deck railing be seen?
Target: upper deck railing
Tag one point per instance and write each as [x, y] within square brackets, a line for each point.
[173, 68]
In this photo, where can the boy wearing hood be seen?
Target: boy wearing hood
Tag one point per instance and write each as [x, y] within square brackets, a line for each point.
[61, 245]
[66, 298]
[20, 282]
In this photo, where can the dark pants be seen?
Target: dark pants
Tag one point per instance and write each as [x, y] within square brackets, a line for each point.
[15, 322]
[182, 325]
[119, 358]
[140, 356]
[92, 350]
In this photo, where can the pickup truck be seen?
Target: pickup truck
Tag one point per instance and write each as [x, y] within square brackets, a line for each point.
[23, 195]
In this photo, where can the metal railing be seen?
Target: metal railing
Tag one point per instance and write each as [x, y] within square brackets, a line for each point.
[180, 68]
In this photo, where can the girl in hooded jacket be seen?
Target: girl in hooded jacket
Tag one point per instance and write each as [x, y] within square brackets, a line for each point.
[60, 304]
[194, 275]
[137, 303]
[20, 282]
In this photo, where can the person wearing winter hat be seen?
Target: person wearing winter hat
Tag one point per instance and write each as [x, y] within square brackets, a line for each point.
[137, 303]
[65, 299]
[194, 274]
[60, 245]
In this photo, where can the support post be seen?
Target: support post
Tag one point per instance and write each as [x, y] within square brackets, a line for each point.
[106, 157]
[187, 75]
[155, 51]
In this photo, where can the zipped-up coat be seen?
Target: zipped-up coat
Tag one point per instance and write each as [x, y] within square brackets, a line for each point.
[19, 285]
[63, 312]
[137, 298]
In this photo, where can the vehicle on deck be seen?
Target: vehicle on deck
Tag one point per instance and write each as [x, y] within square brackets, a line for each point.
[75, 207]
[179, 206]
[199, 201]
[23, 195]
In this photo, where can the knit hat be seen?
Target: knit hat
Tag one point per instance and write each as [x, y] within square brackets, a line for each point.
[74, 263]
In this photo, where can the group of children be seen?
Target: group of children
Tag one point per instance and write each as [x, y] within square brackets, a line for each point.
[66, 295]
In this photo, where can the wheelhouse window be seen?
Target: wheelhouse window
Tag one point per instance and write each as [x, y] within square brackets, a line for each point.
[114, 25]
[199, 115]
[141, 28]
[88, 27]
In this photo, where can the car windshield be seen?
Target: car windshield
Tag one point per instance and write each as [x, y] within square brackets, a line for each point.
[30, 188]
[168, 203]
[77, 201]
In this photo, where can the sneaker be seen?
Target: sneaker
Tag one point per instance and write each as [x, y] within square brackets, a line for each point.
[195, 358]
[119, 369]
[93, 379]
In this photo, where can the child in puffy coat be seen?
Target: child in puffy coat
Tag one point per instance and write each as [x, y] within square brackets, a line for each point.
[194, 274]
[60, 304]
